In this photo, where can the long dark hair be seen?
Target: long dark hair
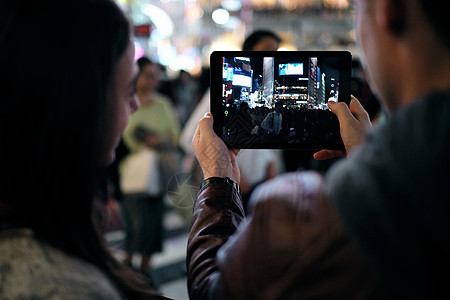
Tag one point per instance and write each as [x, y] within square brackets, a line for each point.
[57, 61]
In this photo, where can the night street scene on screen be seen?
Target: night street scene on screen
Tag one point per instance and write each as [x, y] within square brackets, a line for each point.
[278, 102]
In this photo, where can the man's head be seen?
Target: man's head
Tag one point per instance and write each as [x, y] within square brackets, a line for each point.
[406, 46]
[261, 40]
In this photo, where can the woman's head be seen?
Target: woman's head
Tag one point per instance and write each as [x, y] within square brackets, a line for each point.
[67, 89]
[58, 67]
[149, 75]
[122, 94]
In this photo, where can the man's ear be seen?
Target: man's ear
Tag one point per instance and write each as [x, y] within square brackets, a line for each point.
[392, 16]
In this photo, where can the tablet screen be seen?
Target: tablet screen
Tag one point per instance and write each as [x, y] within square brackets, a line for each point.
[278, 99]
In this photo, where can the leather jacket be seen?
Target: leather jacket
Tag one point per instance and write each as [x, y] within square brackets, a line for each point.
[292, 246]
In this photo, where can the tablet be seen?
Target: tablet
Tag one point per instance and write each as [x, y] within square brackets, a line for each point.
[278, 99]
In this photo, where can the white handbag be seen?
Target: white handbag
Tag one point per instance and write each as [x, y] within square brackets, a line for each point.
[140, 173]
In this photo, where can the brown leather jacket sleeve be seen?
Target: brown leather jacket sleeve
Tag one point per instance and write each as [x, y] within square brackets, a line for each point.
[292, 247]
[218, 211]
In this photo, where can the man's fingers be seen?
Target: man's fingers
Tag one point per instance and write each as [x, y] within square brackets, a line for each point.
[321, 155]
[328, 154]
[202, 128]
[235, 152]
[206, 122]
[349, 112]
[340, 109]
[205, 125]
[359, 112]
[353, 122]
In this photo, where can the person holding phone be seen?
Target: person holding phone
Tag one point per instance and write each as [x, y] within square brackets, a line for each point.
[376, 227]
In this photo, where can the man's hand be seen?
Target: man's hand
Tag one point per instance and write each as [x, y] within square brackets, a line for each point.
[215, 159]
[354, 123]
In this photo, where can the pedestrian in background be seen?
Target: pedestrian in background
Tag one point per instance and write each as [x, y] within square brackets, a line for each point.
[153, 131]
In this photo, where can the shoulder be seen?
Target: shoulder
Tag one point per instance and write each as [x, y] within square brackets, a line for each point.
[302, 192]
[425, 120]
[402, 162]
[399, 153]
[393, 187]
[30, 268]
[163, 105]
[292, 221]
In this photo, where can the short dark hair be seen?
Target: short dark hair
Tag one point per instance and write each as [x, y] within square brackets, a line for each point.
[438, 18]
[143, 61]
[257, 36]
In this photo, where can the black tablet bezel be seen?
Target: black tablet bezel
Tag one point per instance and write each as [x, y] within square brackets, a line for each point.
[217, 109]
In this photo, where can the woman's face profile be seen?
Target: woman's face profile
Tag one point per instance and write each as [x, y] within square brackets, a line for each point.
[123, 99]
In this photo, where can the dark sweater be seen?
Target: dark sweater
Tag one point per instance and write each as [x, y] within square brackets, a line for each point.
[393, 197]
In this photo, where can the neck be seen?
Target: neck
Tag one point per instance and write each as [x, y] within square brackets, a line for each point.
[421, 66]
[146, 97]
[429, 71]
